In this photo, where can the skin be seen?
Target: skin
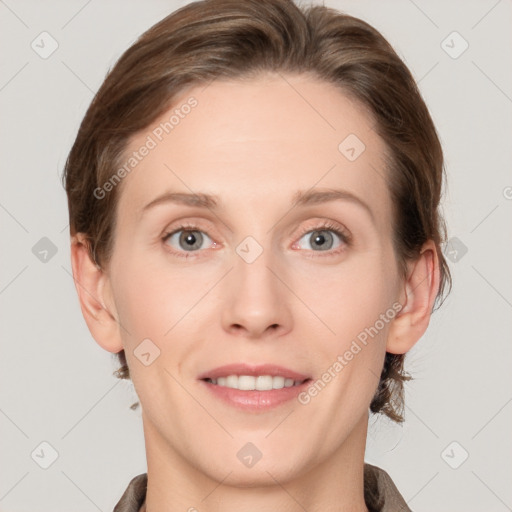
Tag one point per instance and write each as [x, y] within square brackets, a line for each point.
[254, 144]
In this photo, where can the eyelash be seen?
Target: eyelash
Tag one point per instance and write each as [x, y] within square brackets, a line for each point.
[344, 236]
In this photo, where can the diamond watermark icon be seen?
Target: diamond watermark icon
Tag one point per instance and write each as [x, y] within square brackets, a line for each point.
[351, 147]
[454, 455]
[146, 352]
[44, 455]
[44, 250]
[454, 45]
[249, 249]
[44, 45]
[455, 249]
[249, 455]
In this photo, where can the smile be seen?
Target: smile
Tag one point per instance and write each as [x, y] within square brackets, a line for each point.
[255, 383]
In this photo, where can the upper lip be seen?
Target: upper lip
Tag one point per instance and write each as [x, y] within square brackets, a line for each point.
[253, 369]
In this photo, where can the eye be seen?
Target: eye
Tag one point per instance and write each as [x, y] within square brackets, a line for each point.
[324, 238]
[188, 239]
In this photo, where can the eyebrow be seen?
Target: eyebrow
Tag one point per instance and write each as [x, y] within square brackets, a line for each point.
[300, 198]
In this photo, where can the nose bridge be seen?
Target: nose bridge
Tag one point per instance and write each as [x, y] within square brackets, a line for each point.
[256, 296]
[252, 266]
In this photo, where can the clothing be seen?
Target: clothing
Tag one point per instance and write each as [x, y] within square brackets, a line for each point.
[380, 493]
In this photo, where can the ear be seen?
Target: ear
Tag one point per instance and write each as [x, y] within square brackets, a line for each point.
[95, 296]
[418, 296]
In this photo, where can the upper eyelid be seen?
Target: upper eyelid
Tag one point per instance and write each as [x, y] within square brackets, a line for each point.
[319, 225]
[328, 225]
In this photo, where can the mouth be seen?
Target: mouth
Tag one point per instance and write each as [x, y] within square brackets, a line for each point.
[255, 383]
[254, 388]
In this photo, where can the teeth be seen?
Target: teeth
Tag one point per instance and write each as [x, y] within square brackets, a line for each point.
[250, 382]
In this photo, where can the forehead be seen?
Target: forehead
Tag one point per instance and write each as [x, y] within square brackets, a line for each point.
[258, 140]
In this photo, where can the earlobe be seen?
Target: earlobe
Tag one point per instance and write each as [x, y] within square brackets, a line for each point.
[93, 288]
[418, 297]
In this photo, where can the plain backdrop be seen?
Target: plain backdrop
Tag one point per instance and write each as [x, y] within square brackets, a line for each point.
[454, 451]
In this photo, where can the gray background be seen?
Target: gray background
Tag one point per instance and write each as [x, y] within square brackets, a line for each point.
[56, 382]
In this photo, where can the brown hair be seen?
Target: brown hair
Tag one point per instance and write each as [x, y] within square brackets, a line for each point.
[234, 39]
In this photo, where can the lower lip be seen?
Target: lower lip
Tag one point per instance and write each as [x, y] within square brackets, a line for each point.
[254, 400]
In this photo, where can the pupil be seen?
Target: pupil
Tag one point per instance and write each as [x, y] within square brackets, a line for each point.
[191, 241]
[320, 239]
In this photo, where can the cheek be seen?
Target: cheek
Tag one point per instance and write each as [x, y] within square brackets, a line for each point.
[152, 295]
[348, 298]
[355, 305]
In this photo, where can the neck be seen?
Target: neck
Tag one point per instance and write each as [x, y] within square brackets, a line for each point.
[335, 484]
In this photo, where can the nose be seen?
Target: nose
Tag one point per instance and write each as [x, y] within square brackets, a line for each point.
[255, 298]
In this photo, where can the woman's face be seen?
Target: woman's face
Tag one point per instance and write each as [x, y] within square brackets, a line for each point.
[273, 272]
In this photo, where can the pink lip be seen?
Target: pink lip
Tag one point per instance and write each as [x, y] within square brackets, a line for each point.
[257, 369]
[255, 401]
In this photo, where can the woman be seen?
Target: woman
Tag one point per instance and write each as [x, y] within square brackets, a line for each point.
[253, 198]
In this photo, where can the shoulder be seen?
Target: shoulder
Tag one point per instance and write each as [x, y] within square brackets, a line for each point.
[380, 492]
[134, 495]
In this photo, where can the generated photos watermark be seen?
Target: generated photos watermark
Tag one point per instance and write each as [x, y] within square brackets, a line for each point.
[152, 140]
[355, 348]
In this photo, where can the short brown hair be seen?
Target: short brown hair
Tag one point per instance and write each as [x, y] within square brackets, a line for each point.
[234, 39]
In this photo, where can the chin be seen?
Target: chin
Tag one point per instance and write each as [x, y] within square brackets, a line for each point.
[261, 475]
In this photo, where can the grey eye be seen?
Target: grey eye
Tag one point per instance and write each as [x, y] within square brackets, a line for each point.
[320, 240]
[188, 240]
